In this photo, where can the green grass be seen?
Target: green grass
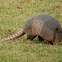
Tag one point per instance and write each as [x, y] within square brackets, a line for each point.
[13, 14]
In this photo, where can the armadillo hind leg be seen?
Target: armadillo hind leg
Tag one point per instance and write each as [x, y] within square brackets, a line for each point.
[40, 39]
[30, 37]
[19, 34]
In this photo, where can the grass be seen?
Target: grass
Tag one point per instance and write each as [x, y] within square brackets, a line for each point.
[13, 14]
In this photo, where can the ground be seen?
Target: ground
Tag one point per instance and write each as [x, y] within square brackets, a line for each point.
[13, 14]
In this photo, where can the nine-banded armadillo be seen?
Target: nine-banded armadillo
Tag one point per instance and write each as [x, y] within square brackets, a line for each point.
[44, 26]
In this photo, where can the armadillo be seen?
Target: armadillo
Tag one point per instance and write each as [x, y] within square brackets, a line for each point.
[44, 26]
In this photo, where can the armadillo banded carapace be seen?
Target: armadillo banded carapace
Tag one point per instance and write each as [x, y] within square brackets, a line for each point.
[42, 25]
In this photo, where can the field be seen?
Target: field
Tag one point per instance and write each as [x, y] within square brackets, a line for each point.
[13, 14]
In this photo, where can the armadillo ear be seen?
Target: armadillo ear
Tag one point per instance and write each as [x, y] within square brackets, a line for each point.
[57, 29]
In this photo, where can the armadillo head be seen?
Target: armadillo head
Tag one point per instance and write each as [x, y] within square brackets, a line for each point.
[61, 34]
[58, 35]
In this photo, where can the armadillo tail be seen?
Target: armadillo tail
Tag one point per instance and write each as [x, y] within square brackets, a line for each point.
[19, 34]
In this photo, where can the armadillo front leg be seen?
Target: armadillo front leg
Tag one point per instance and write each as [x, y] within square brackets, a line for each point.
[30, 37]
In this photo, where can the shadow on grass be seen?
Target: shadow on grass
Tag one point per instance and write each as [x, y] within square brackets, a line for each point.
[36, 41]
